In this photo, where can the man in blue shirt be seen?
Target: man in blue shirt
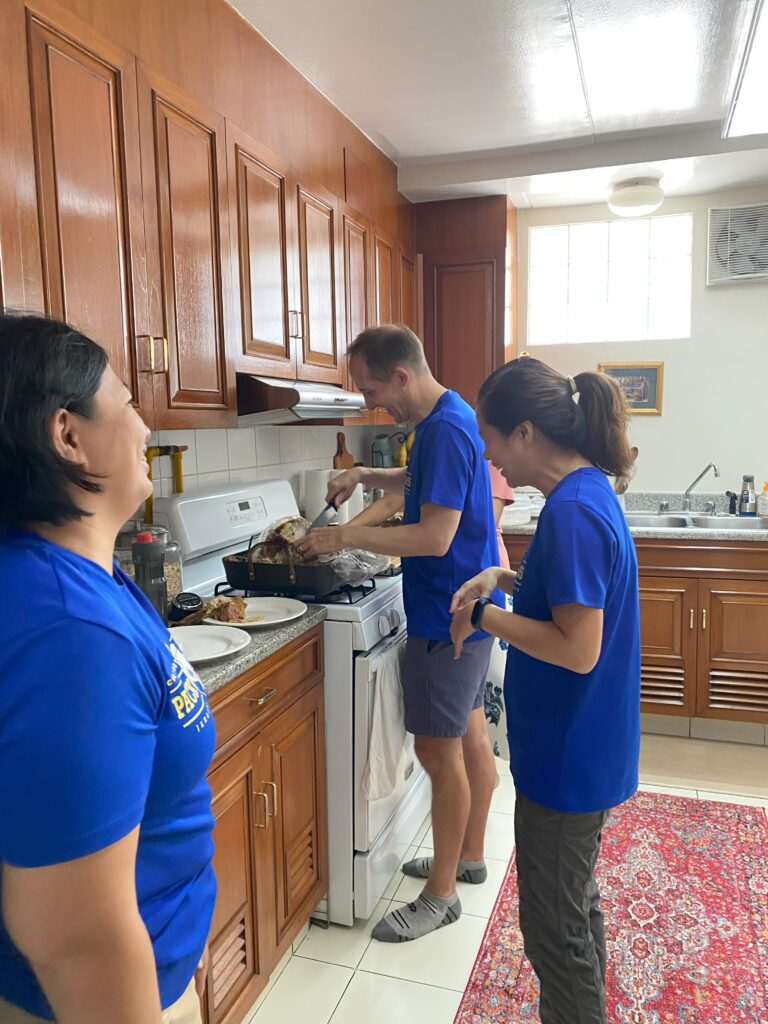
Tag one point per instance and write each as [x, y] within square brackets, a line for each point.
[447, 535]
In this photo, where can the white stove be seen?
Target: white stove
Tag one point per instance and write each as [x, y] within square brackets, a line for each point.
[367, 838]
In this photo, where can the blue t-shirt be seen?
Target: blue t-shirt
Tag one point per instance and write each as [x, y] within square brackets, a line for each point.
[103, 726]
[574, 740]
[447, 467]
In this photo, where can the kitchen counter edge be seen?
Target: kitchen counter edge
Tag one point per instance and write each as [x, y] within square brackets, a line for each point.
[264, 642]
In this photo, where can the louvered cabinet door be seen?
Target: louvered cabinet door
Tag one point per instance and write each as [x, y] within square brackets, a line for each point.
[668, 637]
[733, 650]
[292, 766]
[240, 809]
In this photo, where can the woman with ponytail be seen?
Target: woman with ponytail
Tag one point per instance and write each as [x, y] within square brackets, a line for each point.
[572, 682]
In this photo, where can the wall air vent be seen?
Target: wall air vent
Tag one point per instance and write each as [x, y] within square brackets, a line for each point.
[737, 248]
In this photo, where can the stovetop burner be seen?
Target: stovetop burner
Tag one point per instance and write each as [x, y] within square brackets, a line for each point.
[345, 594]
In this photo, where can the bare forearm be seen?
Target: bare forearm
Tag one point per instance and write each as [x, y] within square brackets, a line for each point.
[544, 641]
[108, 978]
[409, 541]
[392, 480]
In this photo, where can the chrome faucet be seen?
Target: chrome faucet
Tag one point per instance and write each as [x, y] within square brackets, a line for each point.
[702, 474]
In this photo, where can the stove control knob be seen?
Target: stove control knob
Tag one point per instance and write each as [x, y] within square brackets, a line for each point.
[394, 618]
[383, 624]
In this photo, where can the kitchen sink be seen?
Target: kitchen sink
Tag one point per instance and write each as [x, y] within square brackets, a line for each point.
[656, 520]
[728, 523]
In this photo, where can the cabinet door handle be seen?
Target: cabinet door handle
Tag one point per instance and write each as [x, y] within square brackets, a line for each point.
[703, 618]
[274, 797]
[692, 622]
[164, 342]
[266, 810]
[258, 701]
[293, 323]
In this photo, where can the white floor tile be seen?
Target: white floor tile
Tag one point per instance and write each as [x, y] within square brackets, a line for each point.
[444, 958]
[475, 899]
[285, 960]
[646, 787]
[340, 945]
[732, 798]
[307, 992]
[376, 999]
[499, 837]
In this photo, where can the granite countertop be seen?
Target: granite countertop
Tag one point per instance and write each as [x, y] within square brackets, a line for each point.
[665, 532]
[264, 642]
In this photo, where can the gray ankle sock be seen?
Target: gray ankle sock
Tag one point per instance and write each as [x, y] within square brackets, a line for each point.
[428, 913]
[472, 871]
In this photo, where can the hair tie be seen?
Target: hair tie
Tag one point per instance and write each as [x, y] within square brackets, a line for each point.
[574, 389]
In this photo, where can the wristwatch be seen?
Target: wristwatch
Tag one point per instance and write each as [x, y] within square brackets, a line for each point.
[477, 611]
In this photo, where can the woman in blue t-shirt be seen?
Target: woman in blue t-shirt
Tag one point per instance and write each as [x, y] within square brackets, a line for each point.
[572, 683]
[105, 733]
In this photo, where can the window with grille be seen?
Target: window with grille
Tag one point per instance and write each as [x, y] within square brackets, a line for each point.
[623, 280]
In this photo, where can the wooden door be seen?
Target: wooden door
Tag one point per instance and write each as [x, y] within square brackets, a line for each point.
[89, 193]
[318, 355]
[187, 223]
[668, 638]
[409, 314]
[462, 324]
[385, 280]
[733, 650]
[292, 766]
[263, 257]
[238, 969]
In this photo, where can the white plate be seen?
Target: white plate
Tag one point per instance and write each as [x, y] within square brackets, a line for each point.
[206, 643]
[263, 612]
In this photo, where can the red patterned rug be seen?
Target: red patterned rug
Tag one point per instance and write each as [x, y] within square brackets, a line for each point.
[684, 887]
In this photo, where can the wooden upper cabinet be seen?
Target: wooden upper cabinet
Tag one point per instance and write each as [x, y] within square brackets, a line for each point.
[385, 278]
[318, 355]
[409, 314]
[668, 631]
[292, 766]
[263, 256]
[187, 225]
[236, 973]
[357, 277]
[89, 192]
[733, 650]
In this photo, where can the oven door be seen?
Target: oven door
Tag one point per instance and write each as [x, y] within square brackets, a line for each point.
[373, 816]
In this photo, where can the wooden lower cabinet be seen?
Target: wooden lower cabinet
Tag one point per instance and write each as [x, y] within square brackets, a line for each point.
[703, 627]
[668, 631]
[733, 650]
[270, 834]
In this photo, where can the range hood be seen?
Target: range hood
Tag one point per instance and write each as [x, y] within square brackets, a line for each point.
[266, 400]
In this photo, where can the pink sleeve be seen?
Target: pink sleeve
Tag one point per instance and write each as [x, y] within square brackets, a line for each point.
[499, 486]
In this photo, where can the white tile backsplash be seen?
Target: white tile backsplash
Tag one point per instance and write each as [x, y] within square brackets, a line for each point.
[247, 454]
[212, 455]
[241, 448]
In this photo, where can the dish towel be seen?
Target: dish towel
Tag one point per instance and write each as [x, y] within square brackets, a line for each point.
[388, 743]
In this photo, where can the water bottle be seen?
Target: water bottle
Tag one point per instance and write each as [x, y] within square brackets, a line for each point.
[762, 501]
[748, 500]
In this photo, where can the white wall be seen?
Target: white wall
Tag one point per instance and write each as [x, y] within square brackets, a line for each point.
[715, 401]
[246, 454]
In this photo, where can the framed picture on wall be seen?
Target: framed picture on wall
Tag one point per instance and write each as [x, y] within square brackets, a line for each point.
[641, 384]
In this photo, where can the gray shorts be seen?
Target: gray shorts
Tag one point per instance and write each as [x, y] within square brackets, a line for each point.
[439, 693]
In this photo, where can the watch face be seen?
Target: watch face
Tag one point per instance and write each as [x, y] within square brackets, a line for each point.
[188, 602]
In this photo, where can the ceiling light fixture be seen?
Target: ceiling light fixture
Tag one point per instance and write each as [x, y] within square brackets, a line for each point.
[748, 114]
[636, 198]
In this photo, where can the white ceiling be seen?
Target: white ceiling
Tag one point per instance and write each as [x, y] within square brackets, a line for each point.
[548, 100]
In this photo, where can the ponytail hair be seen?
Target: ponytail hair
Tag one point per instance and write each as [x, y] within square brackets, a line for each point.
[586, 413]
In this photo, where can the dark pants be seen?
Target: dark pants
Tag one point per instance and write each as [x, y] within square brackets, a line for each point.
[560, 915]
